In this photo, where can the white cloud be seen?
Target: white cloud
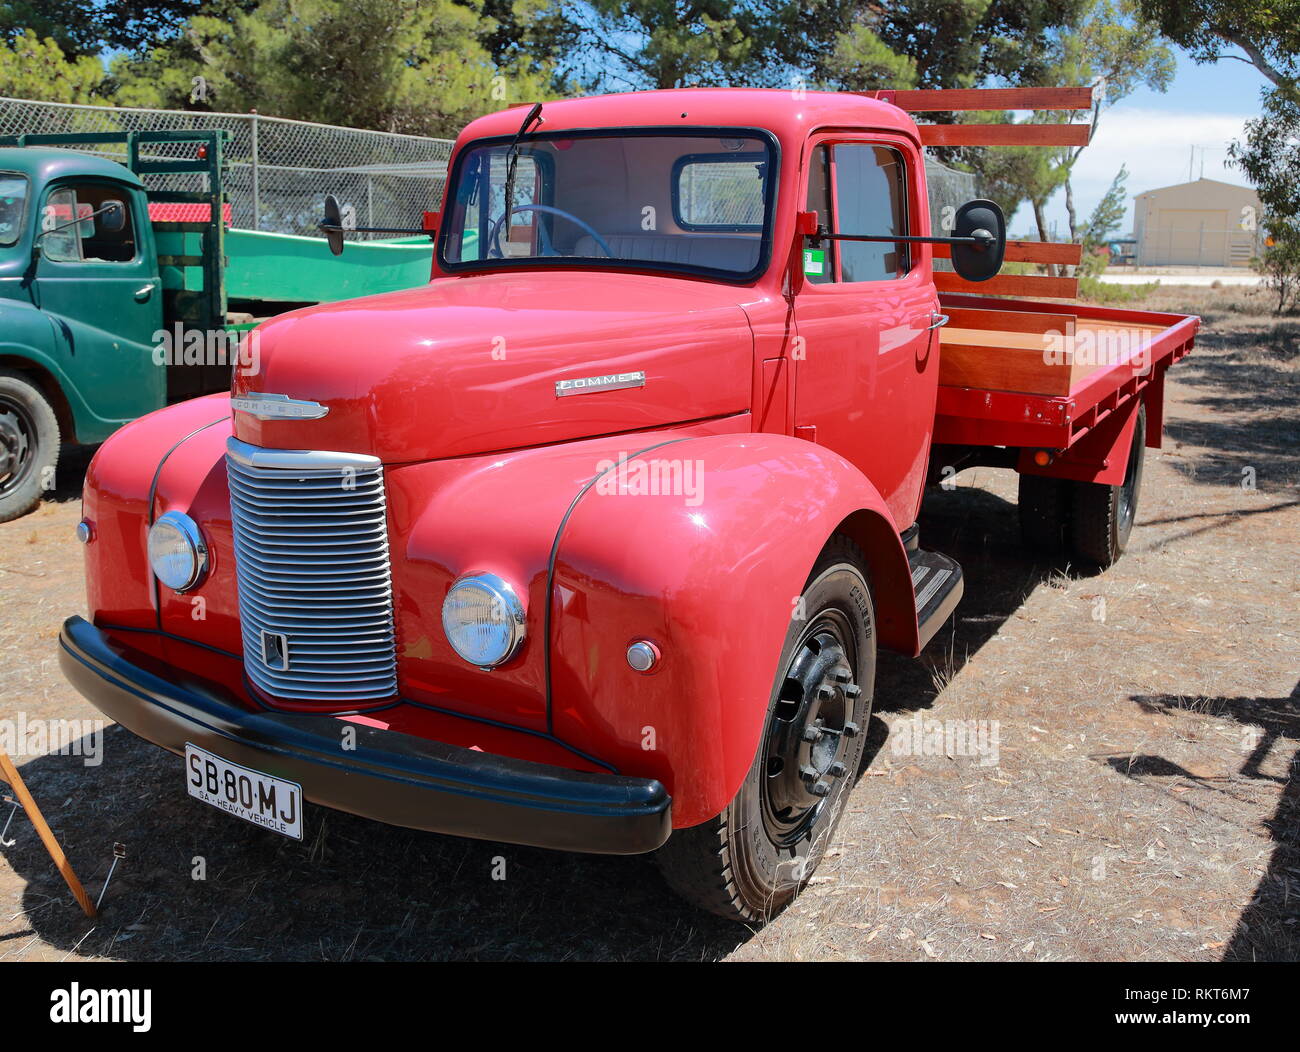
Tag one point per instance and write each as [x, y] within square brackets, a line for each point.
[1156, 145]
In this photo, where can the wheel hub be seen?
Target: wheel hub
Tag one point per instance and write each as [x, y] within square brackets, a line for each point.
[15, 447]
[809, 740]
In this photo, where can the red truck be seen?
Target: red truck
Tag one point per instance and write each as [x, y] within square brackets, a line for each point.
[590, 542]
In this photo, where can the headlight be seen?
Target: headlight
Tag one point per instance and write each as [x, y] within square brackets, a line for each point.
[483, 619]
[177, 552]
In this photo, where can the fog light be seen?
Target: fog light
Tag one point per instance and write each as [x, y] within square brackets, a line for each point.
[178, 554]
[642, 656]
[484, 620]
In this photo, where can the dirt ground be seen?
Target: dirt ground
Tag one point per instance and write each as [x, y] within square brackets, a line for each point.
[1145, 803]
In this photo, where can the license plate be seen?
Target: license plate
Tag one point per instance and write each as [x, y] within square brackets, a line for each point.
[271, 803]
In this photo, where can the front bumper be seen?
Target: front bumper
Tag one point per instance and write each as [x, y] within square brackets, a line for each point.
[393, 778]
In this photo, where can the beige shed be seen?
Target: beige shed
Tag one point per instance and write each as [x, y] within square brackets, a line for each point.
[1201, 223]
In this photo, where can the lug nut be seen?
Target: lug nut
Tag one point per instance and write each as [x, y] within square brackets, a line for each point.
[812, 734]
[821, 789]
[851, 690]
[851, 730]
[808, 774]
[825, 693]
[837, 770]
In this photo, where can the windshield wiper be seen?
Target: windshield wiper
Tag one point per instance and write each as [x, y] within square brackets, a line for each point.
[512, 158]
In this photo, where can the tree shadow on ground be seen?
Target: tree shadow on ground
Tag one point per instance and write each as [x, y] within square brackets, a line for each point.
[1266, 929]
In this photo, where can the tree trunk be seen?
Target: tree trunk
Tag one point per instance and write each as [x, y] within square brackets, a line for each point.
[1041, 220]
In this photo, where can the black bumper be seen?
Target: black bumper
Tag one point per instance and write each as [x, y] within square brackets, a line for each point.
[393, 778]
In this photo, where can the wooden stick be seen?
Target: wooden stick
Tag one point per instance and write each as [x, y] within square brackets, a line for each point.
[9, 773]
[940, 99]
[1032, 251]
[1010, 285]
[1005, 134]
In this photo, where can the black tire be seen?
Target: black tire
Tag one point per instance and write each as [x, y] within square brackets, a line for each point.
[1101, 517]
[29, 445]
[1043, 507]
[749, 862]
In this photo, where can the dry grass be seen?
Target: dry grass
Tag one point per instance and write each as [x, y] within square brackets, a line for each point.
[1145, 803]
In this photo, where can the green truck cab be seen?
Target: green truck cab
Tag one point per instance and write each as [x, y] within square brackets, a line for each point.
[90, 284]
[106, 282]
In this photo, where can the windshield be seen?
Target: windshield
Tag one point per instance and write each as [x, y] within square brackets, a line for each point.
[669, 201]
[13, 199]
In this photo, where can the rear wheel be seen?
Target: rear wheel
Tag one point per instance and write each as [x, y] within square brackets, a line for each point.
[29, 445]
[1102, 516]
[750, 861]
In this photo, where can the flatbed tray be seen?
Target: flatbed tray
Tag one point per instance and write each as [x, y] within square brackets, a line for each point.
[1033, 374]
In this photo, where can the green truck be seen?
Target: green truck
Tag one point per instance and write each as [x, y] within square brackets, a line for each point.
[104, 284]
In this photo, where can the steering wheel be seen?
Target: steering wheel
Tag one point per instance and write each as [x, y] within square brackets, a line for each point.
[494, 238]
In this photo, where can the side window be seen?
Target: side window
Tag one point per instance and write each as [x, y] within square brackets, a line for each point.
[87, 240]
[485, 183]
[870, 197]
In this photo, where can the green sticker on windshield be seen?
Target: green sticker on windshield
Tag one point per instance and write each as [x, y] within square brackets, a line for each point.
[814, 262]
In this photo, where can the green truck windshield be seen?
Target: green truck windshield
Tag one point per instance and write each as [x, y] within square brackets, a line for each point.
[13, 202]
[668, 201]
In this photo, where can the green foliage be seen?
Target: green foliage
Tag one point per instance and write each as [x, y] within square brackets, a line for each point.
[1268, 31]
[413, 66]
[1105, 220]
[81, 28]
[32, 68]
[1270, 157]
[859, 44]
[1093, 290]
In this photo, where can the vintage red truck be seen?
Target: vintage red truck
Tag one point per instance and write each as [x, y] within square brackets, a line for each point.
[590, 542]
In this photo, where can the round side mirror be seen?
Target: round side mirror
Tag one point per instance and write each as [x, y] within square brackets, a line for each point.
[980, 260]
[333, 225]
[112, 219]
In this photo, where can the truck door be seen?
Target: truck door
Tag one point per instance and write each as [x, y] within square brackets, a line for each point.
[866, 369]
[101, 290]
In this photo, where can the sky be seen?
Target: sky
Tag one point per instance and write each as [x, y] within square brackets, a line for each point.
[1157, 135]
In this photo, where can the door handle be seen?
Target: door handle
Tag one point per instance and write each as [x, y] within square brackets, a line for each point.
[936, 320]
[143, 293]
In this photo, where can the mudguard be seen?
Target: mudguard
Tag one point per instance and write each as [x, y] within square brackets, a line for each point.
[709, 572]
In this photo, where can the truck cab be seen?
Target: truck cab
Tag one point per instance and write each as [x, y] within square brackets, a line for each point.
[85, 289]
[591, 542]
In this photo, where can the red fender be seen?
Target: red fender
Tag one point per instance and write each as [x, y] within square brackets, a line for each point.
[711, 578]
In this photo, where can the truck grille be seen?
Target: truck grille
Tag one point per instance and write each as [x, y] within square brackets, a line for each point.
[311, 560]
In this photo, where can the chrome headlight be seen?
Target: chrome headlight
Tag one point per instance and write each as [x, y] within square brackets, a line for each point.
[483, 619]
[178, 555]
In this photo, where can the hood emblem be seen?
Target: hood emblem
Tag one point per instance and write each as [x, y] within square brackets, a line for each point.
[605, 382]
[278, 407]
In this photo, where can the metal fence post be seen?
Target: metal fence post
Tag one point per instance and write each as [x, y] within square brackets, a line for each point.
[257, 198]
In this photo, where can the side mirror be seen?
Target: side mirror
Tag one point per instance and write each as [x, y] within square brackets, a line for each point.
[112, 217]
[982, 259]
[333, 225]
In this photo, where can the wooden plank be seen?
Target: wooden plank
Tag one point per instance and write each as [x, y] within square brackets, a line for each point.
[1032, 252]
[9, 773]
[931, 101]
[1009, 320]
[1010, 285]
[1005, 134]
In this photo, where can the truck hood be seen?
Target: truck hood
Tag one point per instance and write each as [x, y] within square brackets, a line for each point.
[470, 364]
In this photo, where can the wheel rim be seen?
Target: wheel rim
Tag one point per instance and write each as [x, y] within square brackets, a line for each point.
[806, 746]
[1128, 491]
[17, 445]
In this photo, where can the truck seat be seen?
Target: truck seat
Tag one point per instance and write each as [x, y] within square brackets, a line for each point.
[736, 252]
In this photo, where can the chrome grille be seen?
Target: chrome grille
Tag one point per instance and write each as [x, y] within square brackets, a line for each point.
[311, 560]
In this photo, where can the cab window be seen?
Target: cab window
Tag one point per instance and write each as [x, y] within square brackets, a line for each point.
[87, 240]
[13, 203]
[860, 188]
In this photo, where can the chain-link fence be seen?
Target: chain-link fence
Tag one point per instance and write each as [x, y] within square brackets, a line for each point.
[277, 171]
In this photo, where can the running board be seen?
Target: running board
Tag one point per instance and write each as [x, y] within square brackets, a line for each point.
[936, 579]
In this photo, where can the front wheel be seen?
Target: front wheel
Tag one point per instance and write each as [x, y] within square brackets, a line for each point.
[29, 445]
[750, 861]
